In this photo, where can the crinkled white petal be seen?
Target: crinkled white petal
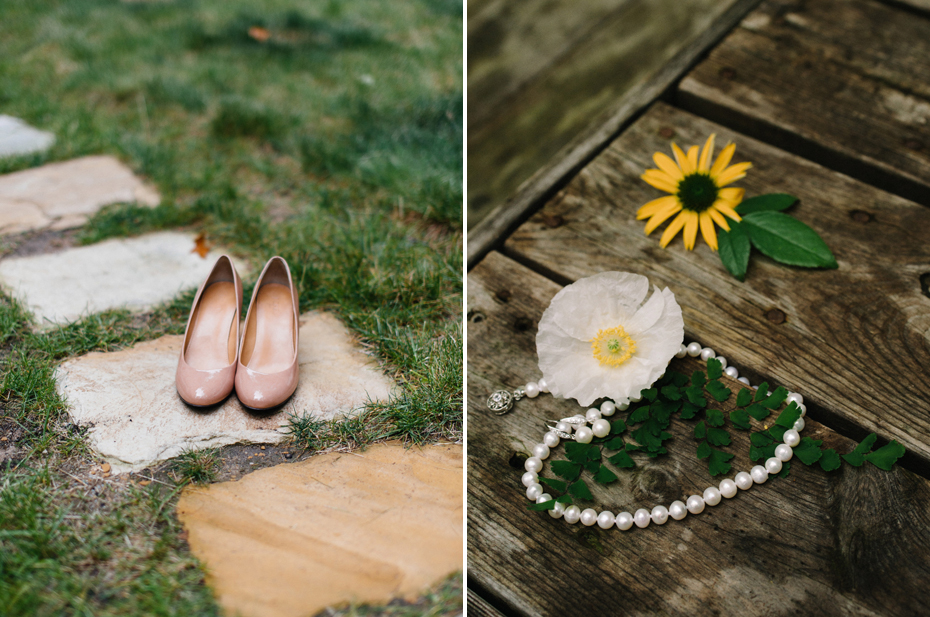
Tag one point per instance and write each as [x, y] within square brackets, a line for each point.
[600, 302]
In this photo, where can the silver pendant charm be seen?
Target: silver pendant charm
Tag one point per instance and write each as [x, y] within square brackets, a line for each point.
[502, 401]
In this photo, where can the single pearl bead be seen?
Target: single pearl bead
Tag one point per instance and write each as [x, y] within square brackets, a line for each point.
[623, 406]
[694, 349]
[722, 361]
[677, 510]
[624, 521]
[531, 389]
[759, 474]
[543, 385]
[695, 504]
[541, 451]
[558, 511]
[783, 452]
[642, 518]
[533, 463]
[803, 409]
[659, 515]
[731, 372]
[529, 478]
[544, 498]
[773, 466]
[608, 408]
[728, 488]
[592, 415]
[606, 520]
[601, 428]
[533, 491]
[794, 397]
[707, 353]
[588, 517]
[743, 381]
[743, 480]
[682, 351]
[565, 427]
[572, 514]
[799, 425]
[792, 438]
[551, 439]
[712, 496]
[584, 434]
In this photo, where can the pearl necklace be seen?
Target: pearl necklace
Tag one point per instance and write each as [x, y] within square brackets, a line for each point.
[577, 428]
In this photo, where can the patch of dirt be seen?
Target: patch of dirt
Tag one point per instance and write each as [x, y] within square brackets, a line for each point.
[241, 460]
[38, 242]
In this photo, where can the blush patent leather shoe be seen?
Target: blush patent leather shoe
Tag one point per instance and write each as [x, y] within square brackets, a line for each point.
[206, 371]
[267, 373]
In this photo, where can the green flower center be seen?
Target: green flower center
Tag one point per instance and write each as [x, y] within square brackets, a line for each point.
[614, 345]
[697, 192]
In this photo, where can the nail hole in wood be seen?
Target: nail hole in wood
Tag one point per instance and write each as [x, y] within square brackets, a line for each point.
[517, 460]
[552, 220]
[522, 324]
[728, 73]
[860, 216]
[503, 295]
[776, 316]
[475, 316]
[666, 132]
[925, 284]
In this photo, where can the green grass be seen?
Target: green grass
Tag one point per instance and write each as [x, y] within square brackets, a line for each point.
[336, 143]
[443, 599]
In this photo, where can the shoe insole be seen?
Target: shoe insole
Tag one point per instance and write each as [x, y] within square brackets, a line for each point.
[212, 342]
[274, 329]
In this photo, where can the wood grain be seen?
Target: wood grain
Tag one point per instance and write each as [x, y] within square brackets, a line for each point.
[585, 139]
[845, 543]
[855, 340]
[845, 83]
[479, 607]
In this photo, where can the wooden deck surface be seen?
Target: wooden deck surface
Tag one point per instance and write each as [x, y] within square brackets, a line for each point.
[854, 341]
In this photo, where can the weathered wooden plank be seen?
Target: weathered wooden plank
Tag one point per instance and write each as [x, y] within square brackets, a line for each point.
[586, 137]
[845, 83]
[856, 339]
[479, 607]
[851, 542]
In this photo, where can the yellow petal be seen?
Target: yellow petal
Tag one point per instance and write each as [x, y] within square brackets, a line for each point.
[708, 231]
[654, 206]
[723, 160]
[726, 209]
[666, 164]
[691, 228]
[732, 173]
[732, 195]
[672, 230]
[660, 180]
[693, 157]
[707, 153]
[718, 218]
[661, 216]
[683, 162]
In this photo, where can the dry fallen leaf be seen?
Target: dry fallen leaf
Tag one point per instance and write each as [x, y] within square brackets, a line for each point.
[200, 246]
[105, 468]
[259, 34]
[145, 482]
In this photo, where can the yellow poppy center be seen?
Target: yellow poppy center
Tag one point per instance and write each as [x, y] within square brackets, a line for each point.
[613, 347]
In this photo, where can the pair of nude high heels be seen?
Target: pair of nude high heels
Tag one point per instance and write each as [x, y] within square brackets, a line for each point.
[261, 364]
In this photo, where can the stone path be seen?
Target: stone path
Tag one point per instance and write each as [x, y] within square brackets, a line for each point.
[129, 398]
[65, 195]
[18, 138]
[368, 526]
[134, 273]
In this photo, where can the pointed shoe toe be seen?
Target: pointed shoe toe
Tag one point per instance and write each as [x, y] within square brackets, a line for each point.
[268, 372]
[207, 364]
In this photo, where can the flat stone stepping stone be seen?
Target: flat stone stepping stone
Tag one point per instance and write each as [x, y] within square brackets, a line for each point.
[133, 273]
[18, 138]
[64, 195]
[130, 401]
[368, 526]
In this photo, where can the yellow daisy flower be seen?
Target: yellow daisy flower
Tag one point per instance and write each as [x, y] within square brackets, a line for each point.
[697, 192]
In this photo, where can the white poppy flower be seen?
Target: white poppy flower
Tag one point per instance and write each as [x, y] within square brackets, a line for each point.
[599, 339]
